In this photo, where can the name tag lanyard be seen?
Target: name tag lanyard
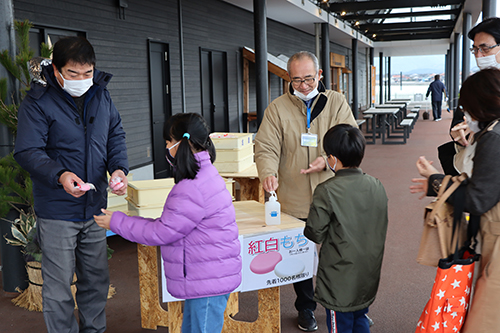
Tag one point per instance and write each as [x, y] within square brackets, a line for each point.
[308, 119]
[308, 139]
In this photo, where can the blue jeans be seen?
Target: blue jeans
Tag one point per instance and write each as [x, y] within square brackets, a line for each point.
[347, 322]
[204, 315]
[73, 247]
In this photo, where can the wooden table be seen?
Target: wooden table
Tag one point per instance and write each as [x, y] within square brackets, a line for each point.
[250, 186]
[396, 101]
[400, 115]
[388, 105]
[381, 113]
[250, 220]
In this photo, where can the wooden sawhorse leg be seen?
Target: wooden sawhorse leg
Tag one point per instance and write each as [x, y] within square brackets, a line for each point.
[152, 314]
[269, 319]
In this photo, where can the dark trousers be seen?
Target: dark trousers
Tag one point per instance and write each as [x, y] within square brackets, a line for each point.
[305, 293]
[436, 109]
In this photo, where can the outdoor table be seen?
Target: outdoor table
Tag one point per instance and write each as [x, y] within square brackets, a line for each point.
[250, 218]
[389, 105]
[400, 100]
[403, 104]
[380, 113]
[250, 185]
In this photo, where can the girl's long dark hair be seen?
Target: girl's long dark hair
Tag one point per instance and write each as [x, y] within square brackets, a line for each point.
[199, 138]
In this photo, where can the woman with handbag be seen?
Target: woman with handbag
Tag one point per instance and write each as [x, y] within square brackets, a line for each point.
[455, 155]
[480, 101]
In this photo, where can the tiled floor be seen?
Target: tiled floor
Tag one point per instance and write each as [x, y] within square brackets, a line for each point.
[405, 286]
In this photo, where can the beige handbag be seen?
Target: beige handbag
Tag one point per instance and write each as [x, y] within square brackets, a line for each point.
[436, 242]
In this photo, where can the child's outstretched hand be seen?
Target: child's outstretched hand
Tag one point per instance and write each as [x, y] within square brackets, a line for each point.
[103, 220]
[420, 187]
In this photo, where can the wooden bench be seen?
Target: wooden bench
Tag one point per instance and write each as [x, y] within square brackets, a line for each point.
[415, 110]
[413, 116]
[360, 122]
[407, 123]
[368, 118]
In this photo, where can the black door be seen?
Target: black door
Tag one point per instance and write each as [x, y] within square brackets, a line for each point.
[214, 89]
[159, 73]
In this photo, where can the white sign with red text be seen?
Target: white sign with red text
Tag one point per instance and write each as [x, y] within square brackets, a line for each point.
[270, 260]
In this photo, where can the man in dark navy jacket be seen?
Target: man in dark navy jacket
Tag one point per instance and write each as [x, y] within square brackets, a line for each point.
[436, 88]
[69, 134]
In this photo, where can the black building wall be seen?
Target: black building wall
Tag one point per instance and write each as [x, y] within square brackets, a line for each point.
[121, 46]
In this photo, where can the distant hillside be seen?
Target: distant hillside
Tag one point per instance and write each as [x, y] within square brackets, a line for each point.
[424, 71]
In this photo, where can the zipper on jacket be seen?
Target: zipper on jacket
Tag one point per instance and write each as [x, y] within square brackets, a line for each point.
[184, 261]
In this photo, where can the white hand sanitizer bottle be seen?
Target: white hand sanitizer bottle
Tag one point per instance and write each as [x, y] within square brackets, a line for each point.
[273, 210]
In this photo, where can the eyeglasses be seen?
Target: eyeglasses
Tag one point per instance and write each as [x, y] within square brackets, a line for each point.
[308, 81]
[483, 49]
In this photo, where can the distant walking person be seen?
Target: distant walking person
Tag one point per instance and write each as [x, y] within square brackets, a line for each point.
[437, 89]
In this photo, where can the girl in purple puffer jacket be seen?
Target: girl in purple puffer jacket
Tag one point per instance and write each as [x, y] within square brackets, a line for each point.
[197, 230]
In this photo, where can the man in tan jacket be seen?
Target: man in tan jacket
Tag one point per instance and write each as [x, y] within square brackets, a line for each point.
[289, 154]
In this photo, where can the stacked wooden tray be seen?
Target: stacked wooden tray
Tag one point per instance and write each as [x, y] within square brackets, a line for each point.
[234, 151]
[146, 198]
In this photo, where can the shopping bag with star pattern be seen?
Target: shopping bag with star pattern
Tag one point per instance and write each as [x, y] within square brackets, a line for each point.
[447, 307]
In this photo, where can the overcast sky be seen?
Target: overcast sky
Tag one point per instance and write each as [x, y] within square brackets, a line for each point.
[433, 63]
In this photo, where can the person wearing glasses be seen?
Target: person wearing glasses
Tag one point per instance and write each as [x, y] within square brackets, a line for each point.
[289, 153]
[486, 49]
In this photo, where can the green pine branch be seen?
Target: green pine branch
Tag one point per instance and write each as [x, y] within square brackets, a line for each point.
[15, 185]
[9, 64]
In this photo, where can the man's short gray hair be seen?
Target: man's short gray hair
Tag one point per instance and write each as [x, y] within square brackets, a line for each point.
[301, 55]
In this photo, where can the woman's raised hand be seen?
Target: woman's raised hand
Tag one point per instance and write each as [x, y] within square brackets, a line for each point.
[459, 133]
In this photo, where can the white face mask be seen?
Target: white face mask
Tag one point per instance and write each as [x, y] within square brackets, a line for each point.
[307, 97]
[488, 61]
[76, 88]
[334, 166]
[473, 124]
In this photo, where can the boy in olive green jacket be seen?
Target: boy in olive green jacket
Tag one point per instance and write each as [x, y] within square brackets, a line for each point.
[348, 216]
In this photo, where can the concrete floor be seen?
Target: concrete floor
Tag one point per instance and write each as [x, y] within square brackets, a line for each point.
[405, 286]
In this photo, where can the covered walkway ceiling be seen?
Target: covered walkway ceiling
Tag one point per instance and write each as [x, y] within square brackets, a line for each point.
[393, 20]
[394, 27]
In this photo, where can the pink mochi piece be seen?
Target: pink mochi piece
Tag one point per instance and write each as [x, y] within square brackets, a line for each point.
[84, 187]
[116, 183]
[117, 186]
[265, 262]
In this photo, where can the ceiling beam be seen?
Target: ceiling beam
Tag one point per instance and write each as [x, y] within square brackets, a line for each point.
[413, 32]
[407, 37]
[366, 17]
[351, 7]
[407, 25]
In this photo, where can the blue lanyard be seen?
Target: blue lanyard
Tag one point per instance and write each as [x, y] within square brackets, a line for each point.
[308, 118]
[308, 106]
